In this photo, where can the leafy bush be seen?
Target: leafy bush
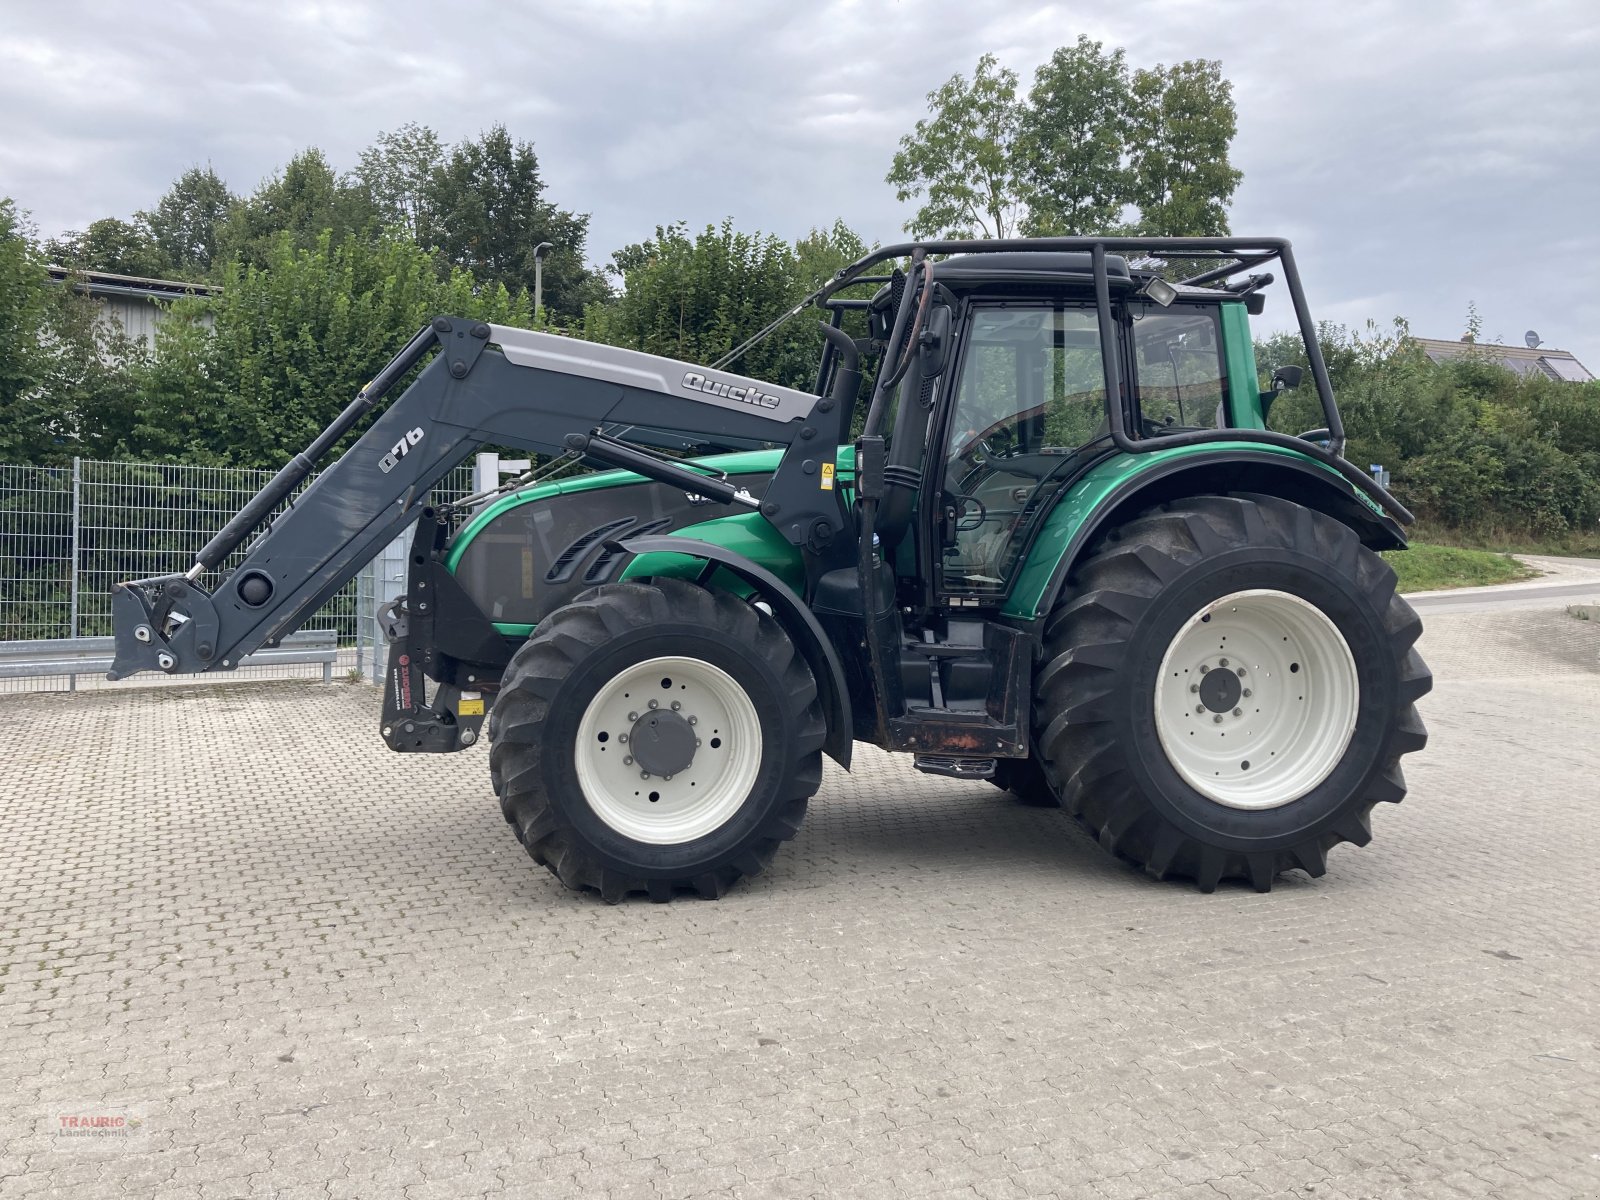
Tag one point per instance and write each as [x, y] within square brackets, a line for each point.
[1472, 447]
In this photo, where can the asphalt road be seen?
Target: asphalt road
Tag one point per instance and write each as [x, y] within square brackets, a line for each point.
[1564, 581]
[245, 951]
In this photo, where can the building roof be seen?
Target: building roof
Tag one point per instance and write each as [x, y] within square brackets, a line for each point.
[104, 283]
[1545, 361]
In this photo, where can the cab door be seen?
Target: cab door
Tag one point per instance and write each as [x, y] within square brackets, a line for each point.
[1029, 399]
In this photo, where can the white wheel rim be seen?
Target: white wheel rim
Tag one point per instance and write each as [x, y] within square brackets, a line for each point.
[692, 802]
[1294, 694]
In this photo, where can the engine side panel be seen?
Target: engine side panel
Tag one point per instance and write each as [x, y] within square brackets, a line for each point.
[525, 559]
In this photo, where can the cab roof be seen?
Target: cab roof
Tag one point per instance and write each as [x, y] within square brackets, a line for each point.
[1027, 266]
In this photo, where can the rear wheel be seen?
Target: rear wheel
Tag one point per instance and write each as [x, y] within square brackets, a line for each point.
[656, 737]
[1228, 689]
[1026, 782]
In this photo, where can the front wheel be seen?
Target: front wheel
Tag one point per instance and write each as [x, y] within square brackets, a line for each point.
[1228, 689]
[656, 737]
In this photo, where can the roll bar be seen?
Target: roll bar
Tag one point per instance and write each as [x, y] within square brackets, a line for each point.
[1224, 257]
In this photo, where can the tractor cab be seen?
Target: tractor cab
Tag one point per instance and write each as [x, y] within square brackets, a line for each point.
[1014, 409]
[1027, 401]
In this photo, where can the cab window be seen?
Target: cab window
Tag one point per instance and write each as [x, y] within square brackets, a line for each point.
[1178, 369]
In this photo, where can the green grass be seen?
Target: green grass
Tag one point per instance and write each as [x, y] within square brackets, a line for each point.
[1585, 544]
[1426, 568]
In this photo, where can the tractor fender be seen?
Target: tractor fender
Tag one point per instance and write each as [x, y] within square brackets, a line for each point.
[1263, 472]
[791, 612]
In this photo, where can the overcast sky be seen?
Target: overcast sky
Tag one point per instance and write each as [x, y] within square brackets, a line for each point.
[1422, 154]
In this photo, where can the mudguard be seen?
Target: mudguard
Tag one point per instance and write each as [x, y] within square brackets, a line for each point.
[1079, 518]
[789, 609]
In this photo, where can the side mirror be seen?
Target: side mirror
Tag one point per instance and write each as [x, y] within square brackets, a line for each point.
[934, 345]
[1286, 378]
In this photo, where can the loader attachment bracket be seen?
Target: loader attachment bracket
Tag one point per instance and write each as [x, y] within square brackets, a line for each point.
[414, 725]
[152, 634]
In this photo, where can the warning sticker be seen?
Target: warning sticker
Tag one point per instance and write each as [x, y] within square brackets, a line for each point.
[827, 477]
[471, 705]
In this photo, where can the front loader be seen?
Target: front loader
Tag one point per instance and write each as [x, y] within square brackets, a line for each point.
[1065, 555]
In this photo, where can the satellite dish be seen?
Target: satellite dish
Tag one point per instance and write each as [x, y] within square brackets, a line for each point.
[1532, 339]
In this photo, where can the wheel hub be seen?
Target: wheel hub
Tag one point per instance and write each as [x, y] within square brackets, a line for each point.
[662, 742]
[668, 749]
[1220, 689]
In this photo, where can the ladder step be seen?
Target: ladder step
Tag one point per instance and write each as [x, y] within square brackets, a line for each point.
[954, 766]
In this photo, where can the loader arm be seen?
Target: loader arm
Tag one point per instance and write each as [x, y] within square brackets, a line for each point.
[488, 384]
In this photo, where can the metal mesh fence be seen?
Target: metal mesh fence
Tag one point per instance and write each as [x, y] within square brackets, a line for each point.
[68, 533]
[36, 552]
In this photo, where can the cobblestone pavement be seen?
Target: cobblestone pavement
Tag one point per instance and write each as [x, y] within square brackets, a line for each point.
[293, 964]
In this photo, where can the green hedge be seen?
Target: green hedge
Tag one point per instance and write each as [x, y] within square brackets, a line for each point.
[1472, 447]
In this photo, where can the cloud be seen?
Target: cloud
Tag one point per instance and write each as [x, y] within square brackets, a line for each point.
[1421, 155]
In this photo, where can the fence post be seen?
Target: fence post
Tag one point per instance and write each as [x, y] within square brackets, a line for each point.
[486, 471]
[72, 584]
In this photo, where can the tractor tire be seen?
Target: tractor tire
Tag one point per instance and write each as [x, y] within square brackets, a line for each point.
[656, 737]
[1026, 782]
[1227, 690]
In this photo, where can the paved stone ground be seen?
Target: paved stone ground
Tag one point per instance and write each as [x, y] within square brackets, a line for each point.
[297, 965]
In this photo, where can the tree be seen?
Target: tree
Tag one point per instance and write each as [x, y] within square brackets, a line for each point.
[88, 378]
[67, 376]
[1072, 138]
[397, 170]
[697, 297]
[489, 214]
[1087, 147]
[185, 222]
[1183, 121]
[24, 417]
[109, 244]
[964, 157]
[305, 201]
[292, 342]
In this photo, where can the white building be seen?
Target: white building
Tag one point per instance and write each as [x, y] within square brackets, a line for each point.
[137, 304]
[1522, 360]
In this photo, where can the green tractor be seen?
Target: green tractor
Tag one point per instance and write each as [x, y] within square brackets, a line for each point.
[1063, 554]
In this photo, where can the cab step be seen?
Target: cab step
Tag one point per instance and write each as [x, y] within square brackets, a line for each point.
[955, 766]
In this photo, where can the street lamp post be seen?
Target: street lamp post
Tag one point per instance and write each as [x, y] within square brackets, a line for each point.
[539, 252]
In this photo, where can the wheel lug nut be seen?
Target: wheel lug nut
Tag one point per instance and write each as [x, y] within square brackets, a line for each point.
[1238, 712]
[1246, 693]
[1194, 687]
[676, 706]
[628, 761]
[1201, 709]
[694, 720]
[622, 737]
[1204, 668]
[1241, 672]
[633, 716]
[644, 774]
[666, 777]
[1222, 662]
[654, 704]
[1217, 720]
